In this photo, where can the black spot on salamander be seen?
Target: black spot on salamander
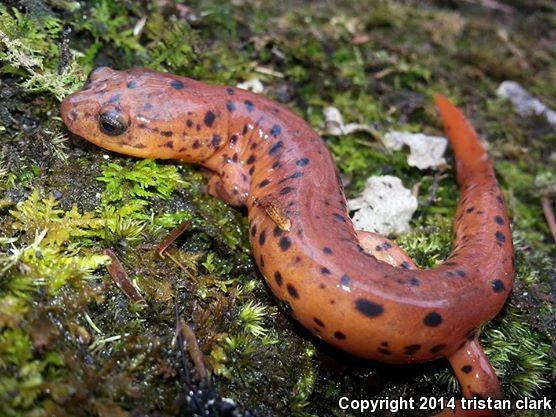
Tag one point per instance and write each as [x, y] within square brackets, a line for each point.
[499, 220]
[275, 130]
[437, 348]
[262, 238]
[383, 246]
[339, 217]
[264, 183]
[285, 243]
[196, 144]
[499, 199]
[261, 261]
[277, 231]
[132, 84]
[254, 230]
[470, 210]
[498, 286]
[189, 123]
[432, 319]
[385, 344]
[254, 145]
[235, 158]
[169, 144]
[414, 281]
[209, 118]
[230, 91]
[276, 164]
[233, 139]
[230, 106]
[302, 162]
[278, 278]
[384, 351]
[327, 250]
[466, 369]
[167, 133]
[177, 84]
[500, 238]
[368, 308]
[139, 146]
[460, 273]
[340, 336]
[286, 190]
[251, 159]
[319, 322]
[405, 265]
[251, 170]
[293, 291]
[292, 176]
[216, 139]
[244, 131]
[411, 349]
[198, 127]
[249, 105]
[344, 280]
[325, 271]
[275, 148]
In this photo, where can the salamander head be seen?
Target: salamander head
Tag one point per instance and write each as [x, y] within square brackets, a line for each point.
[147, 114]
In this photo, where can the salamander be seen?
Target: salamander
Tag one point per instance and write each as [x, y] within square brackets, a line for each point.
[357, 291]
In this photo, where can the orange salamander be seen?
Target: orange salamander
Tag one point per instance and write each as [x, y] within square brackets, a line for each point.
[357, 291]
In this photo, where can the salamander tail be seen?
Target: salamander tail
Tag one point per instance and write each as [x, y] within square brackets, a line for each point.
[468, 150]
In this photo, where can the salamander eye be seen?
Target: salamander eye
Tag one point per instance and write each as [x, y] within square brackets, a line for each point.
[113, 122]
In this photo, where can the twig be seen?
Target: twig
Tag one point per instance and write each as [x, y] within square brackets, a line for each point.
[121, 278]
[171, 238]
[549, 215]
[438, 176]
[190, 342]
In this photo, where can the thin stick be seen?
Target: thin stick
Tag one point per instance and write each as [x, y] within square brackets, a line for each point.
[172, 236]
[193, 349]
[121, 278]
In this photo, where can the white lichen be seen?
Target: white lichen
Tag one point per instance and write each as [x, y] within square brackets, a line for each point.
[524, 103]
[424, 151]
[385, 206]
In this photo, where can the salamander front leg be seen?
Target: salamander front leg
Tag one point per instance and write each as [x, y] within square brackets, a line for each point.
[476, 379]
[229, 187]
[385, 250]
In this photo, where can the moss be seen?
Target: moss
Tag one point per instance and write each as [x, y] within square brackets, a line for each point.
[70, 341]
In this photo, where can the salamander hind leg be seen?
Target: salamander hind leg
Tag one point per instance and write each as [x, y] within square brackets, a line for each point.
[476, 379]
[385, 250]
